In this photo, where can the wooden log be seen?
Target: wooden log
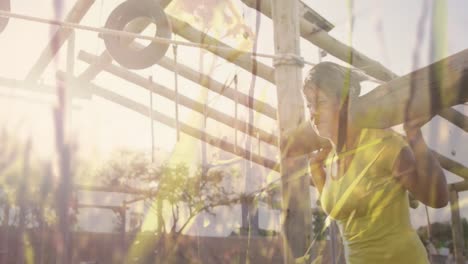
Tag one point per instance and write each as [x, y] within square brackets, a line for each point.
[185, 101]
[297, 214]
[185, 128]
[457, 228]
[385, 106]
[78, 11]
[319, 37]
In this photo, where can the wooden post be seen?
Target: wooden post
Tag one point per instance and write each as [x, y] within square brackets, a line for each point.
[22, 198]
[457, 228]
[6, 231]
[297, 213]
[123, 214]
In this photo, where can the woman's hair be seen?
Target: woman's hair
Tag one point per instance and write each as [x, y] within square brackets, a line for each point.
[335, 80]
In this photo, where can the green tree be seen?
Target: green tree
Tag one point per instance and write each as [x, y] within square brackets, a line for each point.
[186, 194]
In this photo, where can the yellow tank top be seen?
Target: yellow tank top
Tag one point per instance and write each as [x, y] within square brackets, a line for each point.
[370, 206]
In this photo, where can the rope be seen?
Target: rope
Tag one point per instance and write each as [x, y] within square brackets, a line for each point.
[151, 119]
[176, 87]
[288, 59]
[235, 111]
[429, 231]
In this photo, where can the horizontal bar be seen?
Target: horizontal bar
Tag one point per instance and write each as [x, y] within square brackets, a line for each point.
[20, 85]
[183, 100]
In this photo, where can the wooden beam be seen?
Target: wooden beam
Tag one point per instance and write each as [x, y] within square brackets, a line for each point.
[436, 87]
[237, 57]
[215, 86]
[459, 186]
[297, 213]
[451, 165]
[305, 13]
[135, 200]
[111, 189]
[183, 100]
[20, 85]
[110, 207]
[319, 37]
[78, 11]
[458, 119]
[457, 228]
[185, 128]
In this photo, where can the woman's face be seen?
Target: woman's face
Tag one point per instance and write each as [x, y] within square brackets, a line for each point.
[324, 112]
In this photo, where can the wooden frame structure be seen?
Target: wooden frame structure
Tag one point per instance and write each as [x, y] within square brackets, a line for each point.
[306, 24]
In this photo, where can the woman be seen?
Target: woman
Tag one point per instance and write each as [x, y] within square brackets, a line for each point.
[365, 176]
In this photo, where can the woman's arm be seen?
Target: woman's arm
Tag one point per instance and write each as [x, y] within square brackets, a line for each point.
[419, 172]
[302, 140]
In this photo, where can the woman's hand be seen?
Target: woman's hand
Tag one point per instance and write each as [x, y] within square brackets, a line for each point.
[301, 140]
[317, 167]
[413, 127]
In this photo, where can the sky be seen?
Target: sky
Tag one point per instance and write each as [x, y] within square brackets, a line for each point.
[386, 31]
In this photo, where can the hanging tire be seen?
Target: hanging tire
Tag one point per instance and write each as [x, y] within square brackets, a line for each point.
[122, 15]
[4, 6]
